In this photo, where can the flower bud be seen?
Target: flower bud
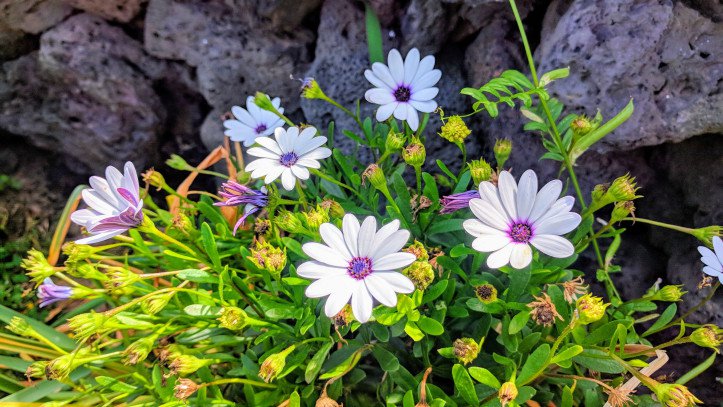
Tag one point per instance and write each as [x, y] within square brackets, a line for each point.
[20, 326]
[287, 221]
[598, 194]
[233, 318]
[269, 258]
[590, 309]
[156, 303]
[119, 277]
[622, 210]
[480, 170]
[36, 369]
[333, 208]
[455, 130]
[310, 89]
[395, 141]
[707, 233]
[376, 177]
[581, 125]
[502, 150]
[61, 367]
[707, 336]
[37, 266]
[675, 395]
[316, 217]
[415, 153]
[274, 364]
[623, 189]
[183, 365]
[325, 401]
[85, 270]
[487, 293]
[178, 163]
[154, 178]
[182, 223]
[669, 293]
[421, 274]
[456, 202]
[466, 350]
[77, 252]
[263, 101]
[138, 351]
[417, 248]
[507, 393]
[86, 325]
[184, 389]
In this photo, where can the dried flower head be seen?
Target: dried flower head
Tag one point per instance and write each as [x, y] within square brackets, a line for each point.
[421, 274]
[343, 317]
[507, 393]
[184, 389]
[324, 400]
[415, 153]
[543, 311]
[618, 396]
[138, 351]
[574, 288]
[417, 248]
[466, 350]
[487, 293]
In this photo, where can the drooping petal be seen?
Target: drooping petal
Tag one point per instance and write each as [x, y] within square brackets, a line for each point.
[412, 117]
[287, 179]
[99, 237]
[553, 246]
[718, 246]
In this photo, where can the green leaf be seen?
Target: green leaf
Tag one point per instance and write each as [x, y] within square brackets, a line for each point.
[566, 397]
[430, 326]
[598, 361]
[314, 366]
[434, 291]
[294, 400]
[594, 136]
[6, 314]
[387, 361]
[604, 332]
[197, 276]
[209, 245]
[519, 321]
[202, 310]
[554, 75]
[568, 353]
[413, 331]
[534, 363]
[663, 320]
[344, 366]
[15, 364]
[445, 226]
[115, 384]
[518, 282]
[464, 385]
[485, 377]
[374, 35]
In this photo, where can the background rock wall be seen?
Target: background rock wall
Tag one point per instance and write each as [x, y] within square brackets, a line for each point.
[87, 83]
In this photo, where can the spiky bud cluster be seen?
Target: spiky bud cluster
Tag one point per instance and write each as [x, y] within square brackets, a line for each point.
[590, 309]
[269, 258]
[395, 141]
[455, 130]
[288, 222]
[37, 266]
[675, 395]
[669, 293]
[316, 216]
[480, 170]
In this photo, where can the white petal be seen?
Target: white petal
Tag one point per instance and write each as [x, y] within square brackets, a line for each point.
[310, 145]
[707, 270]
[380, 290]
[269, 143]
[560, 206]
[500, 257]
[327, 285]
[553, 246]
[526, 193]
[366, 236]
[391, 244]
[488, 214]
[130, 179]
[394, 261]
[333, 237]
[361, 303]
[490, 243]
[375, 80]
[557, 225]
[286, 139]
[243, 116]
[337, 300]
[316, 270]
[401, 111]
[350, 227]
[385, 231]
[424, 94]
[412, 117]
[102, 189]
[273, 172]
[317, 154]
[385, 111]
[99, 237]
[261, 163]
[427, 106]
[718, 246]
[308, 163]
[709, 257]
[397, 281]
[521, 256]
[326, 254]
[507, 188]
[83, 217]
[411, 63]
[428, 79]
[94, 200]
[545, 198]
[306, 135]
[288, 180]
[488, 192]
[476, 228]
[300, 172]
[262, 153]
[396, 66]
[425, 66]
[382, 72]
[379, 96]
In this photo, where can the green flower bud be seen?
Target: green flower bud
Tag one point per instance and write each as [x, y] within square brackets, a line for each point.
[622, 210]
[315, 217]
[37, 369]
[119, 277]
[455, 130]
[288, 221]
[263, 101]
[581, 125]
[421, 274]
[274, 364]
[311, 90]
[154, 179]
[20, 326]
[708, 336]
[590, 309]
[466, 350]
[139, 350]
[507, 393]
[675, 395]
[178, 163]
[669, 293]
[156, 303]
[623, 189]
[598, 194]
[376, 177]
[269, 258]
[707, 233]
[184, 365]
[86, 325]
[77, 252]
[395, 141]
[487, 293]
[417, 248]
[333, 208]
[85, 270]
[182, 223]
[415, 153]
[233, 318]
[37, 266]
[480, 170]
[502, 150]
[61, 367]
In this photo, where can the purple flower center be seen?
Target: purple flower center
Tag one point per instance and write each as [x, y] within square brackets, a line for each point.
[260, 128]
[403, 94]
[520, 233]
[288, 159]
[359, 267]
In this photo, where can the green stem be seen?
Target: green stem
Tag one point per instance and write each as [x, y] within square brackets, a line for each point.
[418, 173]
[302, 196]
[662, 225]
[239, 381]
[692, 310]
[336, 182]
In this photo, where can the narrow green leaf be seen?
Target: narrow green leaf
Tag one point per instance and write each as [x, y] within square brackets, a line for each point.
[663, 320]
[594, 136]
[464, 385]
[314, 366]
[387, 361]
[209, 244]
[374, 35]
[6, 314]
[197, 276]
[568, 353]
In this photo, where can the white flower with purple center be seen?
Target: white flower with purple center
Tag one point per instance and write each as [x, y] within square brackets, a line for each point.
[114, 205]
[252, 122]
[288, 155]
[358, 264]
[404, 87]
[50, 293]
[713, 259]
[511, 217]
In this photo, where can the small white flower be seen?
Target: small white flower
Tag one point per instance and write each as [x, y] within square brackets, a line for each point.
[115, 205]
[713, 259]
[404, 87]
[253, 122]
[512, 217]
[288, 156]
[357, 265]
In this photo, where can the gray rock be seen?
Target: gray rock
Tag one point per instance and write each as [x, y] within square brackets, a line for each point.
[33, 16]
[285, 15]
[425, 26]
[670, 67]
[87, 94]
[14, 42]
[118, 10]
[234, 56]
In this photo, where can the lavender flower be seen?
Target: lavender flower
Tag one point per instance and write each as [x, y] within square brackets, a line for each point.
[115, 205]
[455, 202]
[49, 292]
[235, 194]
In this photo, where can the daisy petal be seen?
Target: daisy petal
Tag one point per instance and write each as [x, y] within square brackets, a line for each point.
[385, 111]
[379, 96]
[553, 246]
[477, 229]
[325, 254]
[507, 188]
[316, 270]
[333, 237]
[398, 281]
[380, 290]
[401, 111]
[396, 66]
[545, 198]
[350, 227]
[425, 94]
[325, 286]
[490, 243]
[718, 246]
[337, 300]
[269, 143]
[361, 303]
[375, 80]
[521, 256]
[427, 106]
[557, 225]
[411, 63]
[394, 261]
[391, 244]
[485, 212]
[707, 270]
[500, 257]
[412, 117]
[526, 193]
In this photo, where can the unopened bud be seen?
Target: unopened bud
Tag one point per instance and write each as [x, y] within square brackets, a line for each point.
[622, 210]
[415, 153]
[623, 189]
[455, 130]
[316, 217]
[669, 293]
[466, 350]
[186, 364]
[184, 389]
[178, 163]
[706, 234]
[86, 325]
[421, 274]
[37, 369]
[274, 364]
[37, 266]
[502, 150]
[287, 221]
[263, 101]
[581, 125]
[77, 252]
[487, 293]
[707, 336]
[154, 178]
[590, 309]
[333, 207]
[310, 89]
[20, 326]
[156, 303]
[480, 170]
[599, 192]
[507, 393]
[675, 395]
[269, 258]
[233, 318]
[376, 177]
[182, 223]
[395, 141]
[138, 351]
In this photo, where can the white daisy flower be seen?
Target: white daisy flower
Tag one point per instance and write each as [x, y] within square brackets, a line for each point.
[357, 265]
[404, 87]
[252, 122]
[288, 155]
[512, 217]
[713, 259]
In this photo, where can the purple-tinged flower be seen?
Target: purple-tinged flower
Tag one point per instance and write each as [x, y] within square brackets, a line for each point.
[235, 194]
[49, 292]
[115, 205]
[455, 202]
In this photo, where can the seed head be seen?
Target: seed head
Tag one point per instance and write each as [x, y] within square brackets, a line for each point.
[421, 274]
[543, 311]
[466, 350]
[184, 389]
[487, 293]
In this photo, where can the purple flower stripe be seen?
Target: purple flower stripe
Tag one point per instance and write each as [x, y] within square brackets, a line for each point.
[455, 202]
[49, 293]
[129, 218]
[242, 219]
[235, 194]
[128, 196]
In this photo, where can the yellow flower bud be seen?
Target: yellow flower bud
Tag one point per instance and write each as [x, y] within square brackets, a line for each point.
[669, 293]
[507, 393]
[708, 336]
[421, 274]
[480, 171]
[415, 153]
[455, 130]
[274, 364]
[154, 178]
[395, 141]
[590, 309]
[233, 318]
[675, 395]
